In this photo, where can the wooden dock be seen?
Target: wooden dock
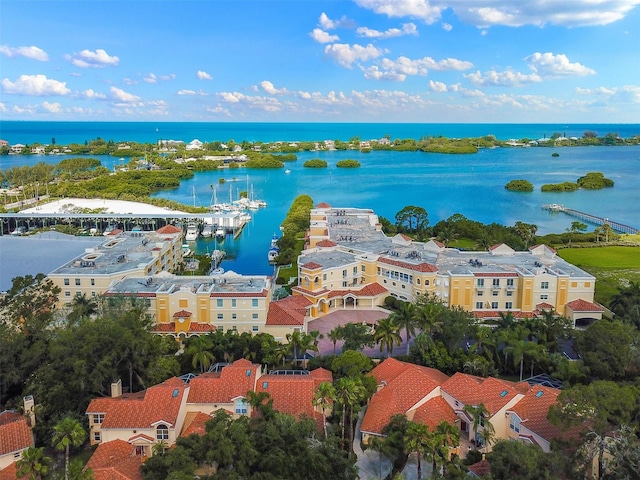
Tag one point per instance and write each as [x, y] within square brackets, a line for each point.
[615, 226]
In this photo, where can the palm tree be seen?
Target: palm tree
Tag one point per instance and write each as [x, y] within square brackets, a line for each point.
[67, 432]
[522, 348]
[480, 416]
[405, 318]
[200, 350]
[416, 440]
[261, 402]
[33, 464]
[78, 472]
[349, 391]
[82, 307]
[449, 435]
[323, 397]
[429, 310]
[386, 334]
[335, 335]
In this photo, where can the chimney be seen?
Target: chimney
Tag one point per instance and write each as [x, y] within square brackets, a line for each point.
[116, 389]
[29, 410]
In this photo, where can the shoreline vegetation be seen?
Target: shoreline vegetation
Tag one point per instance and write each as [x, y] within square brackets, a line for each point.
[590, 181]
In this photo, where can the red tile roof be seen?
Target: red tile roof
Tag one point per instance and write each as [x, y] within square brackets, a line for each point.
[326, 243]
[533, 409]
[230, 383]
[168, 229]
[9, 472]
[420, 267]
[544, 306]
[369, 290]
[434, 411]
[580, 305]
[195, 424]
[323, 205]
[480, 469]
[406, 384]
[160, 403]
[288, 311]
[115, 460]
[15, 434]
[494, 393]
[182, 314]
[311, 266]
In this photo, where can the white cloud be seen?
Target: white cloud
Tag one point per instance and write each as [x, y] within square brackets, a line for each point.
[548, 64]
[447, 26]
[151, 78]
[374, 73]
[35, 85]
[122, 96]
[487, 13]
[3, 108]
[52, 107]
[218, 110]
[437, 86]
[89, 93]
[267, 104]
[628, 94]
[406, 66]
[407, 29]
[88, 59]
[346, 55]
[202, 75]
[327, 24]
[192, 92]
[269, 88]
[31, 52]
[507, 78]
[321, 36]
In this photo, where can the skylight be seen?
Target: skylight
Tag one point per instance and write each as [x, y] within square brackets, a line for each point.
[175, 393]
[539, 394]
[503, 393]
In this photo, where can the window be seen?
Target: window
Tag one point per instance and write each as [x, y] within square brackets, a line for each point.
[544, 285]
[508, 305]
[509, 282]
[220, 328]
[93, 294]
[140, 450]
[241, 407]
[324, 276]
[97, 437]
[344, 284]
[496, 282]
[98, 418]
[77, 282]
[17, 454]
[66, 281]
[544, 297]
[480, 282]
[480, 293]
[233, 303]
[67, 293]
[254, 328]
[494, 305]
[254, 316]
[162, 432]
[417, 281]
[233, 316]
[495, 293]
[234, 328]
[254, 303]
[220, 316]
[93, 282]
[219, 302]
[344, 273]
[355, 270]
[514, 423]
[509, 293]
[362, 268]
[183, 302]
[478, 305]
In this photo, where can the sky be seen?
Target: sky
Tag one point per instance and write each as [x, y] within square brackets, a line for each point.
[383, 61]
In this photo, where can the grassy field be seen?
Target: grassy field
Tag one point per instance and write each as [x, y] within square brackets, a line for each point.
[613, 267]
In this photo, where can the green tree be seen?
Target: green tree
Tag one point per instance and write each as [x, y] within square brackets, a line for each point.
[67, 433]
[199, 348]
[416, 440]
[412, 219]
[335, 335]
[324, 397]
[480, 415]
[405, 318]
[33, 465]
[606, 348]
[386, 334]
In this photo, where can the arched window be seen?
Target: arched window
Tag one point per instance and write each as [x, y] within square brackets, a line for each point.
[426, 283]
[162, 432]
[418, 281]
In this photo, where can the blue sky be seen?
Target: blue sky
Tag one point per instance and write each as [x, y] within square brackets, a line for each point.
[433, 61]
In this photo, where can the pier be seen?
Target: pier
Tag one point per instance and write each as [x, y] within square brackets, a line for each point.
[615, 226]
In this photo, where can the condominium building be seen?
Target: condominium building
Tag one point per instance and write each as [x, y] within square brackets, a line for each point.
[349, 262]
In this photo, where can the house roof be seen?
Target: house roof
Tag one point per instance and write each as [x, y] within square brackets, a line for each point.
[311, 266]
[494, 393]
[581, 305]
[288, 311]
[10, 472]
[369, 290]
[160, 403]
[404, 384]
[480, 469]
[419, 267]
[323, 205]
[326, 243]
[168, 229]
[115, 460]
[15, 434]
[434, 411]
[533, 410]
[233, 381]
[194, 423]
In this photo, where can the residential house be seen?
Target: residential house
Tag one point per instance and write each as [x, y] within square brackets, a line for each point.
[194, 144]
[115, 460]
[15, 434]
[16, 149]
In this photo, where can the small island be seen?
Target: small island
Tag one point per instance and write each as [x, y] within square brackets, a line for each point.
[315, 163]
[590, 181]
[348, 164]
[519, 186]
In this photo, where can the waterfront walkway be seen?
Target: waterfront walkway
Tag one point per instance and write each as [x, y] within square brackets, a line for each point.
[615, 226]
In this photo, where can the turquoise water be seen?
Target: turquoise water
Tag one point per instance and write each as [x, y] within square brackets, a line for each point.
[472, 185]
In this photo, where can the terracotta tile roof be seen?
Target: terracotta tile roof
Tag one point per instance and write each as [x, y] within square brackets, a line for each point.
[288, 311]
[369, 290]
[312, 266]
[480, 469]
[497, 245]
[182, 314]
[581, 305]
[325, 243]
[194, 423]
[434, 411]
[230, 383]
[160, 403]
[304, 291]
[168, 229]
[439, 244]
[406, 384]
[10, 472]
[115, 460]
[323, 205]
[544, 306]
[494, 393]
[15, 434]
[420, 267]
[533, 409]
[141, 436]
[534, 247]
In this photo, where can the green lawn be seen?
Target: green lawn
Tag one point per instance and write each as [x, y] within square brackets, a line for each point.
[613, 267]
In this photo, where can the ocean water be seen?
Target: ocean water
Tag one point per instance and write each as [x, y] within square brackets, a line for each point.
[472, 185]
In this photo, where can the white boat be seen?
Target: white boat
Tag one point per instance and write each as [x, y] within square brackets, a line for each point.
[192, 232]
[287, 171]
[220, 233]
[207, 231]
